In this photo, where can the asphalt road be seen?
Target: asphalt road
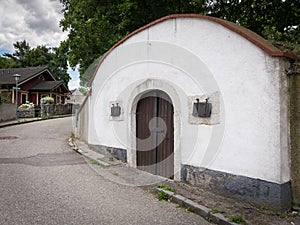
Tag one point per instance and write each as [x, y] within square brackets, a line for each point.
[43, 181]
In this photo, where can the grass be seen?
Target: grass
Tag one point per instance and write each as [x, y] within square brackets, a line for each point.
[189, 210]
[208, 219]
[215, 210]
[237, 219]
[186, 209]
[45, 117]
[161, 186]
[115, 173]
[163, 196]
[94, 162]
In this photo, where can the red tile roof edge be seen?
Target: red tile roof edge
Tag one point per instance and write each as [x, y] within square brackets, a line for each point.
[251, 36]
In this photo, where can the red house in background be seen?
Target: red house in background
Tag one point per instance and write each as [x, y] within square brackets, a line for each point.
[34, 84]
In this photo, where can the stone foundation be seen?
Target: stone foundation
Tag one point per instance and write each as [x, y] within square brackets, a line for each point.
[26, 113]
[118, 153]
[270, 195]
[58, 109]
[52, 110]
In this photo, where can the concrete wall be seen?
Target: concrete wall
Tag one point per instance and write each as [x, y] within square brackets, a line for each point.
[7, 111]
[81, 122]
[295, 134]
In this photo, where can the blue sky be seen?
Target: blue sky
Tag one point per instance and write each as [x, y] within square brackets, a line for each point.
[35, 21]
[74, 82]
[2, 51]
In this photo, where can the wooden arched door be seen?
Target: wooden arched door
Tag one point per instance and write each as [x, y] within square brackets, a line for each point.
[155, 134]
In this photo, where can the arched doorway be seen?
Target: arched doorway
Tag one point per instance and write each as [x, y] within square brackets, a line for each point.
[155, 134]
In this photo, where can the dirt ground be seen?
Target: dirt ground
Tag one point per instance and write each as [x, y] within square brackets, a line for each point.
[231, 207]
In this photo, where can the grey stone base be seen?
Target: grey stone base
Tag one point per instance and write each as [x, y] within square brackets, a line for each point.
[270, 195]
[26, 113]
[118, 153]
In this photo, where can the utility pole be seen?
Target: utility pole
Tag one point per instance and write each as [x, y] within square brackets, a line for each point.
[17, 77]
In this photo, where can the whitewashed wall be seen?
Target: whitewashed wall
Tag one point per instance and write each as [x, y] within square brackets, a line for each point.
[191, 57]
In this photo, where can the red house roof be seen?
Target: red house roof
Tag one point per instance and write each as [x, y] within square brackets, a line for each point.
[48, 86]
[6, 75]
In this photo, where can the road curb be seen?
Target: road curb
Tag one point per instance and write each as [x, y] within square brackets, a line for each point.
[196, 208]
[91, 155]
[85, 154]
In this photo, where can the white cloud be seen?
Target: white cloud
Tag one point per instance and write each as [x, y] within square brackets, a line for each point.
[36, 21]
[74, 82]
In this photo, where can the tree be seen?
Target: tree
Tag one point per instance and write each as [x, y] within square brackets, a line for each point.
[96, 25]
[53, 58]
[6, 62]
[277, 20]
[83, 90]
[59, 63]
[21, 49]
[92, 30]
[89, 72]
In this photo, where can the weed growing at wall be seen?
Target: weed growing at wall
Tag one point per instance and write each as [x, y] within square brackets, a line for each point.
[215, 210]
[94, 162]
[237, 219]
[164, 187]
[163, 196]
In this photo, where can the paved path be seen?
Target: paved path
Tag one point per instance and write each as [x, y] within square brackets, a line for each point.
[42, 181]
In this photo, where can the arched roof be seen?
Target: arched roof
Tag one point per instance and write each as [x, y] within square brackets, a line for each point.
[251, 36]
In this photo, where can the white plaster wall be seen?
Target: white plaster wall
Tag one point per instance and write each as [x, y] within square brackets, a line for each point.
[80, 126]
[198, 57]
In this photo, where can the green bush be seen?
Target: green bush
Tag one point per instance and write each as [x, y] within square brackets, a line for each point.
[48, 100]
[26, 106]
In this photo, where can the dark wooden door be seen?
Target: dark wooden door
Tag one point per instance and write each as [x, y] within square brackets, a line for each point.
[155, 134]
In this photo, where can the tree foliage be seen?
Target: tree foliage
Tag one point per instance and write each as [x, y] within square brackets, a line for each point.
[277, 20]
[25, 56]
[6, 62]
[82, 90]
[96, 25]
